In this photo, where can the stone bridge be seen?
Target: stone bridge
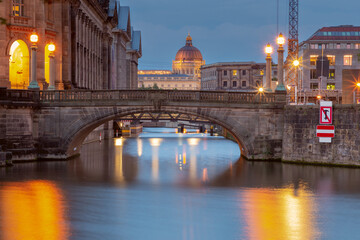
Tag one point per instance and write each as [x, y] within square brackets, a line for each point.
[53, 124]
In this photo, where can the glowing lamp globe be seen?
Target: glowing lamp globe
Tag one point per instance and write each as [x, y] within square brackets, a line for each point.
[268, 49]
[34, 38]
[296, 63]
[280, 40]
[261, 90]
[51, 47]
[358, 84]
[318, 97]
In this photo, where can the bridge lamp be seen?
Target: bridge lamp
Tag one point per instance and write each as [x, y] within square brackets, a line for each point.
[51, 48]
[261, 90]
[289, 87]
[358, 84]
[34, 38]
[318, 97]
[268, 51]
[280, 40]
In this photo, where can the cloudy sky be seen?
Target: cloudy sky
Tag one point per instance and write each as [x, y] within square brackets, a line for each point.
[227, 30]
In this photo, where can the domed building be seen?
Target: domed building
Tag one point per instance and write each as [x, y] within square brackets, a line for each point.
[188, 60]
[185, 74]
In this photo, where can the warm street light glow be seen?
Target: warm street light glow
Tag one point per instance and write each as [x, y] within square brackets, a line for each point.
[51, 47]
[296, 63]
[268, 49]
[288, 87]
[280, 40]
[261, 90]
[318, 97]
[34, 38]
[358, 84]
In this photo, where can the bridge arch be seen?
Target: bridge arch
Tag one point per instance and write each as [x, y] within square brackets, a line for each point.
[79, 129]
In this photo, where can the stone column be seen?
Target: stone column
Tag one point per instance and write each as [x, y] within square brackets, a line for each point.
[280, 86]
[33, 84]
[51, 71]
[268, 73]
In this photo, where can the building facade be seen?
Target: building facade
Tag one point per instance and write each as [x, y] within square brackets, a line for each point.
[341, 45]
[185, 74]
[167, 80]
[96, 47]
[232, 76]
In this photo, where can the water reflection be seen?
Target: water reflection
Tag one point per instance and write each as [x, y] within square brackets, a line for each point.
[32, 210]
[279, 214]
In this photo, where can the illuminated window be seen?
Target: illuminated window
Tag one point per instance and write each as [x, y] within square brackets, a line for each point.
[313, 74]
[348, 46]
[261, 72]
[331, 59]
[18, 7]
[348, 60]
[234, 72]
[330, 86]
[313, 59]
[338, 46]
[331, 73]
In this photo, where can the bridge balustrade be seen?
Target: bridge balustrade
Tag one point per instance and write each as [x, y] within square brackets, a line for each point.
[137, 95]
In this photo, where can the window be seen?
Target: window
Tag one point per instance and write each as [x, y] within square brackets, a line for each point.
[338, 46]
[331, 59]
[261, 72]
[357, 46]
[225, 84]
[330, 86]
[312, 46]
[234, 72]
[347, 60]
[18, 7]
[313, 59]
[331, 73]
[243, 72]
[313, 74]
[348, 46]
[314, 86]
[243, 84]
[234, 84]
[225, 73]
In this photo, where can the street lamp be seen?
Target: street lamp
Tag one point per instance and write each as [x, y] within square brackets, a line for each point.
[268, 51]
[51, 48]
[34, 38]
[357, 100]
[280, 41]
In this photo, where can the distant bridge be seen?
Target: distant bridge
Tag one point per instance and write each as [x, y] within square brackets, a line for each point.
[53, 124]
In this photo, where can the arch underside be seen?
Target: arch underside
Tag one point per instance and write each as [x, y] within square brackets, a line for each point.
[80, 128]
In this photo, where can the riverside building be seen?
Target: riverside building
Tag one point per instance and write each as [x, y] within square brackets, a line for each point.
[96, 47]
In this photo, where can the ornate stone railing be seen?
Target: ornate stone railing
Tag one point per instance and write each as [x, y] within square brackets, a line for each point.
[141, 95]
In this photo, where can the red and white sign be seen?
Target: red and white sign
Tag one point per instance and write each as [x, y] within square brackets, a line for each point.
[325, 133]
[326, 112]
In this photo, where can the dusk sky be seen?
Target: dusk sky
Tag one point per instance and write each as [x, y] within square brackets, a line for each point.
[227, 30]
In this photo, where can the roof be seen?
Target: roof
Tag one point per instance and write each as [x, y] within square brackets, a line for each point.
[342, 32]
[136, 41]
[124, 18]
[163, 75]
[232, 64]
[188, 52]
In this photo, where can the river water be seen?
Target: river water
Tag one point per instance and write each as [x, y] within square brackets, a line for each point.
[163, 185]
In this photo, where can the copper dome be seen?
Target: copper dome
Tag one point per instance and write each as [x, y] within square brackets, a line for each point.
[188, 52]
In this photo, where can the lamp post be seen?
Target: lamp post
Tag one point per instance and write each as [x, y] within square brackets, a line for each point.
[356, 94]
[34, 38]
[51, 48]
[281, 41]
[296, 64]
[268, 51]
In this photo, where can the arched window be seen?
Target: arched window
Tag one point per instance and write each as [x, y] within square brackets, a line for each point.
[19, 65]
